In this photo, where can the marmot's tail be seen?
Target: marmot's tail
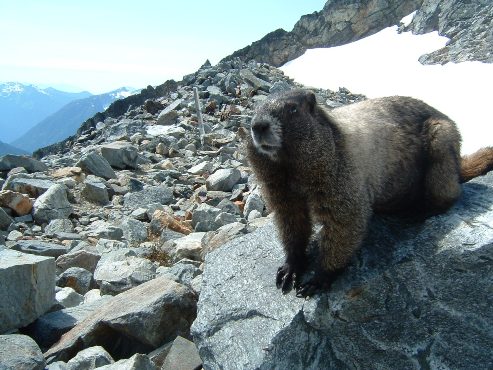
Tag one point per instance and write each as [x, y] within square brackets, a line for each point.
[476, 164]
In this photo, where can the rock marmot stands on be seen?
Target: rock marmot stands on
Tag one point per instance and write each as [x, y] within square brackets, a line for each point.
[336, 167]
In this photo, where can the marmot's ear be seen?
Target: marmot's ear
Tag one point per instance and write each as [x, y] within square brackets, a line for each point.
[311, 101]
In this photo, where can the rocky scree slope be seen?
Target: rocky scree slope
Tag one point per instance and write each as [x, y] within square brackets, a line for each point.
[466, 23]
[102, 241]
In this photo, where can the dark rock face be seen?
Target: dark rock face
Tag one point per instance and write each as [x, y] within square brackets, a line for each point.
[415, 296]
[468, 24]
[336, 24]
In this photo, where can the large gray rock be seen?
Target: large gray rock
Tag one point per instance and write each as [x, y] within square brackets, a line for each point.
[136, 321]
[33, 187]
[223, 179]
[76, 278]
[97, 165]
[48, 328]
[183, 355]
[414, 296]
[40, 248]
[120, 154]
[5, 220]
[19, 352]
[53, 204]
[27, 290]
[169, 115]
[94, 190]
[10, 161]
[149, 195]
[114, 277]
[80, 258]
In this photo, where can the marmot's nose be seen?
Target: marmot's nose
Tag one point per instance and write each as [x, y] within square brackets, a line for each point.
[260, 127]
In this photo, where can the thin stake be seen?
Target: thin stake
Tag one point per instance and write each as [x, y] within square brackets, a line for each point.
[199, 115]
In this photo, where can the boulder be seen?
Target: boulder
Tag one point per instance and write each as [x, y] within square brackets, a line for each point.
[76, 278]
[169, 115]
[414, 296]
[68, 297]
[102, 229]
[97, 165]
[53, 204]
[17, 202]
[94, 190]
[120, 154]
[40, 248]
[223, 179]
[48, 328]
[136, 362]
[136, 321]
[20, 352]
[114, 277]
[90, 358]
[151, 194]
[189, 246]
[183, 355]
[10, 161]
[33, 187]
[61, 225]
[5, 220]
[134, 231]
[80, 258]
[27, 290]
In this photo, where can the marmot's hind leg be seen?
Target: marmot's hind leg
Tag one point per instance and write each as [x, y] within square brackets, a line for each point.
[442, 168]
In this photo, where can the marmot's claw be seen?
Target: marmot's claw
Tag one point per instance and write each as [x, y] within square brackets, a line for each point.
[284, 278]
[321, 281]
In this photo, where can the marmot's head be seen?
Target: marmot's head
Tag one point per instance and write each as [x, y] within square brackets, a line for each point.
[284, 120]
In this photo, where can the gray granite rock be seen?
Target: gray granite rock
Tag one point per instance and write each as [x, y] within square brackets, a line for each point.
[90, 358]
[183, 272]
[5, 220]
[19, 352]
[149, 195]
[10, 161]
[164, 308]
[102, 229]
[33, 187]
[40, 248]
[134, 231]
[120, 154]
[169, 115]
[136, 362]
[59, 226]
[76, 278]
[27, 290]
[94, 190]
[67, 297]
[182, 355]
[53, 204]
[223, 179]
[48, 328]
[189, 246]
[114, 277]
[97, 165]
[80, 258]
[411, 298]
[204, 218]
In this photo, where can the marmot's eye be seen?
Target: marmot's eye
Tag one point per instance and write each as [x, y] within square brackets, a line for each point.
[291, 109]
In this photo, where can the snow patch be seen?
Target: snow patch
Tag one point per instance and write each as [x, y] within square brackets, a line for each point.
[386, 63]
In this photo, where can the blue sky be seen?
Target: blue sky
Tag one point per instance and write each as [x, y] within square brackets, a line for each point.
[102, 45]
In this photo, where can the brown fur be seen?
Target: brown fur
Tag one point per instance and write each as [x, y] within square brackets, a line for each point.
[336, 167]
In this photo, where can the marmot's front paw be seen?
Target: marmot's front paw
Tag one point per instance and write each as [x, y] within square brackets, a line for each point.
[287, 278]
[319, 281]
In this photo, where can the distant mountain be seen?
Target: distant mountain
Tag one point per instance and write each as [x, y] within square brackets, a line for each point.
[65, 122]
[22, 106]
[9, 149]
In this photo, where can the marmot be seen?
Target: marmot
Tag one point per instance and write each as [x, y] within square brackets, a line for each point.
[335, 167]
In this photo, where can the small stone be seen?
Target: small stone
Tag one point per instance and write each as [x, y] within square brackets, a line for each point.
[189, 247]
[120, 154]
[5, 220]
[183, 355]
[90, 358]
[134, 231]
[201, 168]
[59, 226]
[14, 235]
[169, 115]
[136, 362]
[68, 297]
